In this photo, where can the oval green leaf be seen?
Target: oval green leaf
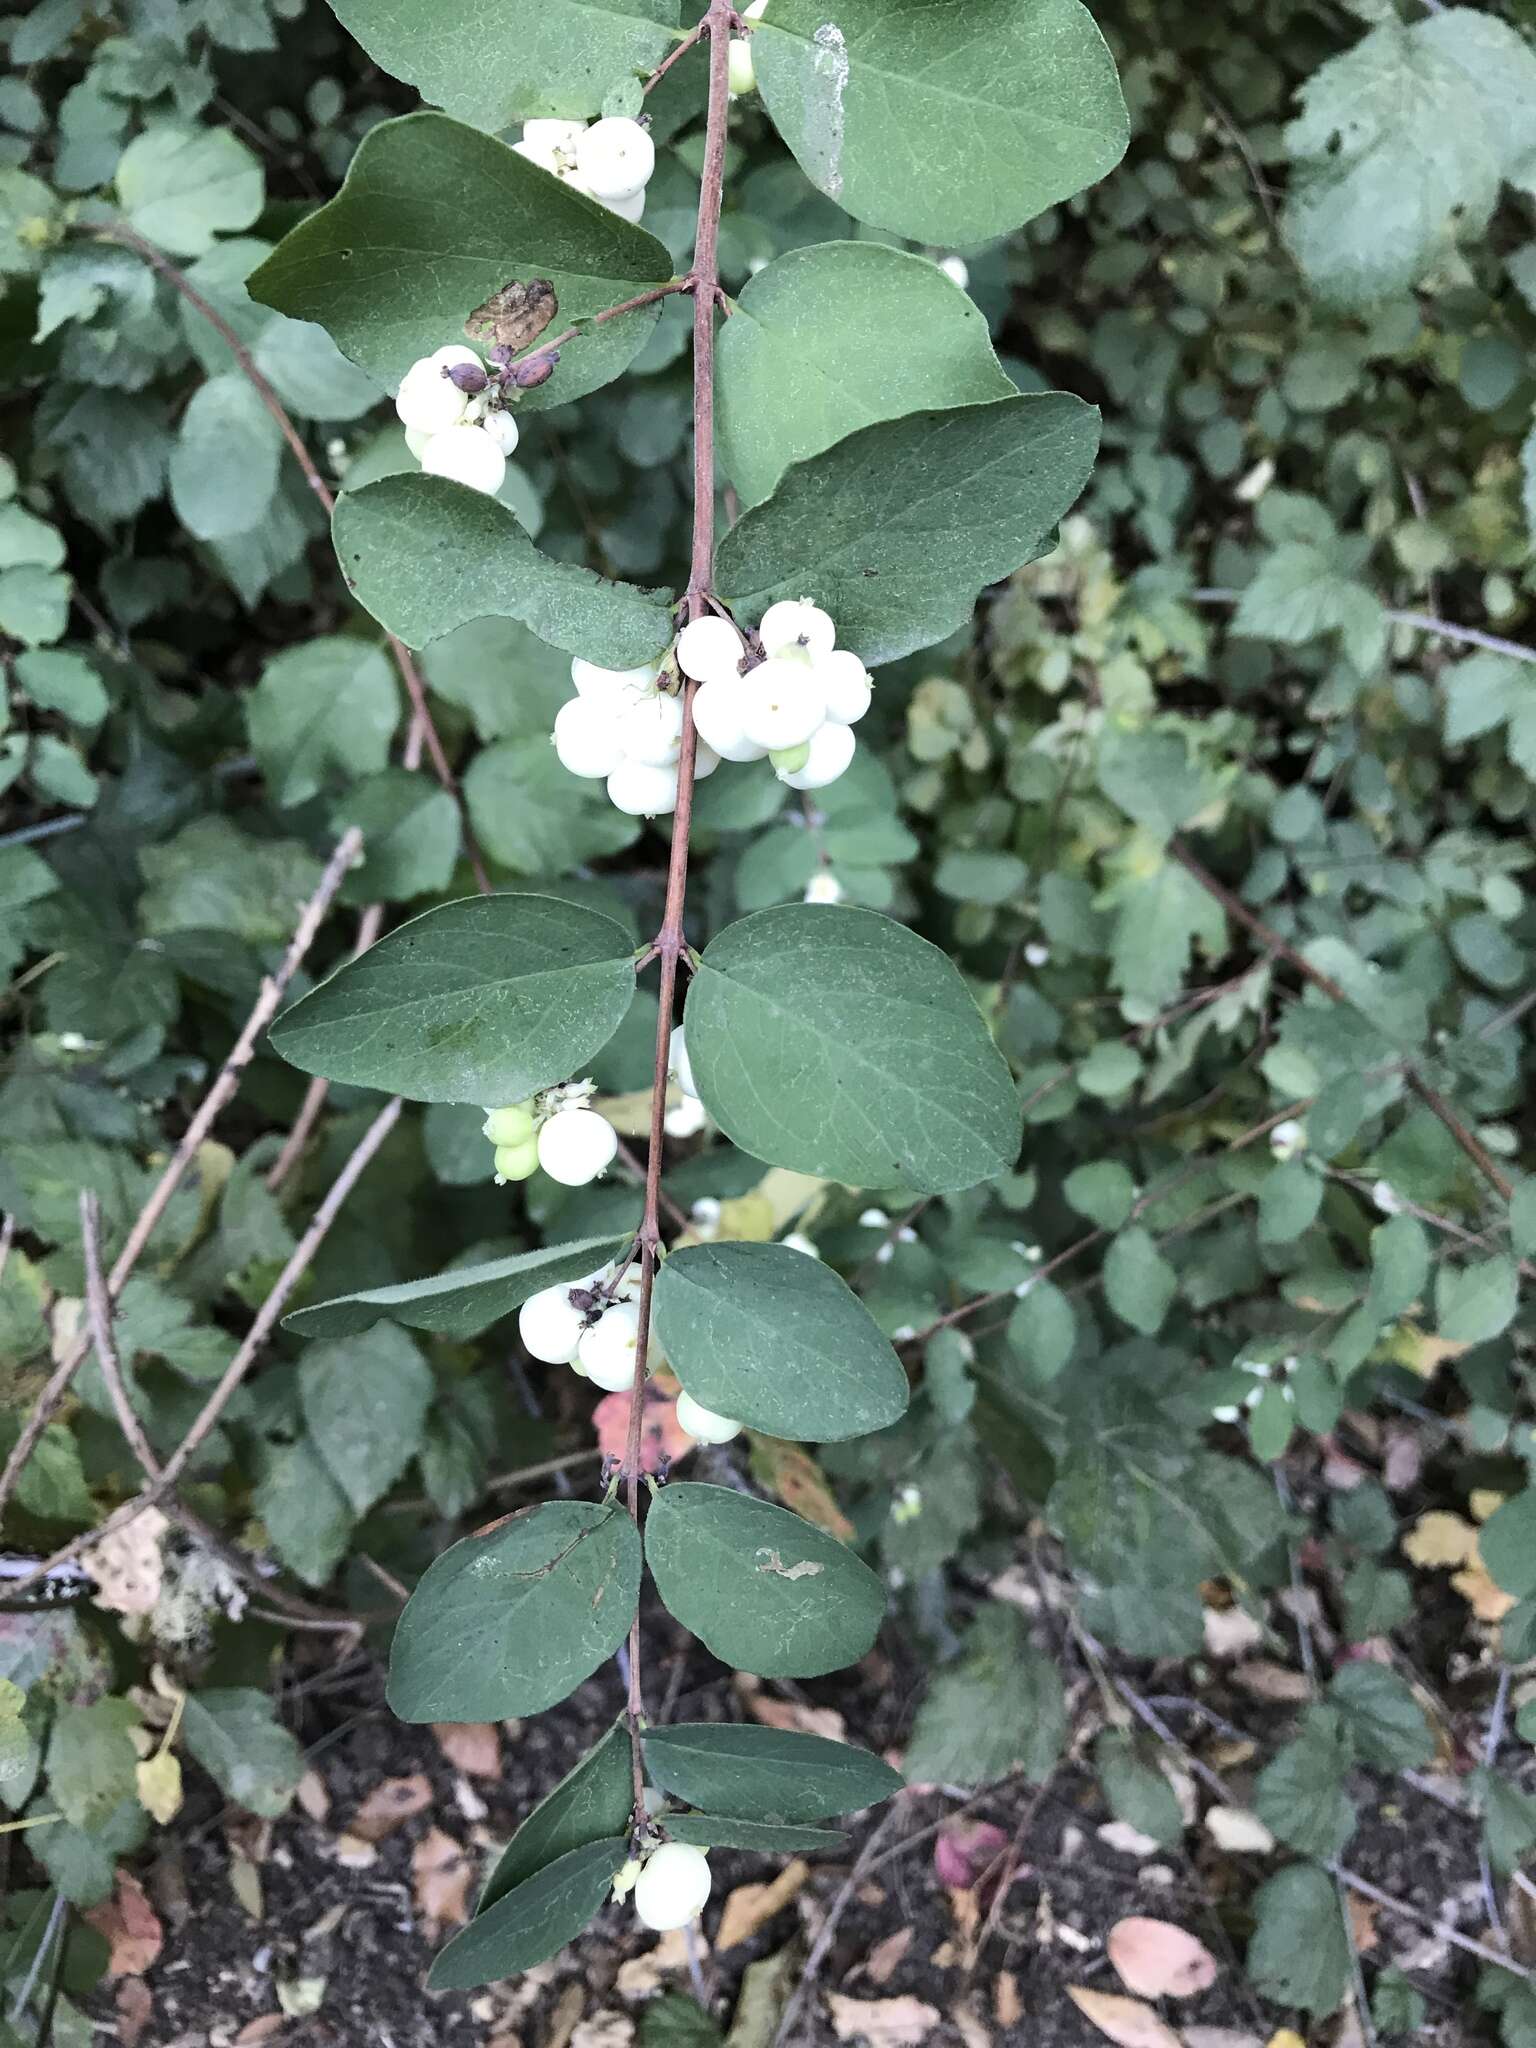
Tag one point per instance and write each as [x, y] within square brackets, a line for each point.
[896, 529]
[710, 1831]
[484, 1000]
[533, 1922]
[591, 1803]
[769, 1774]
[764, 1333]
[510, 1622]
[399, 259]
[942, 128]
[760, 1587]
[796, 369]
[461, 1303]
[836, 1042]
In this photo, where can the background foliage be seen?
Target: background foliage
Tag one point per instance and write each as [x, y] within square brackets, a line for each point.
[1230, 842]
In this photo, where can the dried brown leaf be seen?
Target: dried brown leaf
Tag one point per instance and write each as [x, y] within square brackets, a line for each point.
[473, 1747]
[441, 1872]
[882, 2022]
[131, 1928]
[1126, 2021]
[389, 1805]
[752, 1906]
[879, 1966]
[135, 2009]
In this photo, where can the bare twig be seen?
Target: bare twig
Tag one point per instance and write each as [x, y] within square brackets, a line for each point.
[694, 36]
[99, 1309]
[828, 1929]
[1420, 622]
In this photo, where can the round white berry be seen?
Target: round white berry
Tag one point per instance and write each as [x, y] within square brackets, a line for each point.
[829, 753]
[466, 455]
[502, 428]
[824, 888]
[576, 1145]
[956, 269]
[630, 209]
[651, 730]
[643, 791]
[512, 1125]
[615, 158]
[703, 1424]
[799, 625]
[586, 738]
[538, 153]
[672, 1888]
[561, 135]
[607, 1349]
[782, 703]
[550, 1325]
[705, 760]
[428, 400]
[678, 1064]
[717, 709]
[743, 76]
[710, 650]
[608, 683]
[416, 439]
[846, 681]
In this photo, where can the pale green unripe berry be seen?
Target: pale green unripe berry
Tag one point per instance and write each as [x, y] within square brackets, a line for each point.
[789, 760]
[673, 1887]
[703, 1424]
[743, 74]
[517, 1162]
[510, 1126]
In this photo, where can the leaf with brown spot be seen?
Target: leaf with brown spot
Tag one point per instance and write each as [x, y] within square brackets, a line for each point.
[130, 1926]
[882, 2022]
[515, 315]
[1155, 1959]
[391, 1803]
[1126, 2021]
[441, 1872]
[473, 1747]
[805, 1569]
[799, 1482]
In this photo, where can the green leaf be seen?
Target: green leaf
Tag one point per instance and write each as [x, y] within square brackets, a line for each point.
[28, 209]
[533, 1921]
[766, 1774]
[1507, 1544]
[410, 828]
[764, 1838]
[1478, 1301]
[1301, 592]
[777, 1339]
[432, 218]
[673, 2021]
[484, 1000]
[763, 1590]
[365, 1402]
[1509, 1820]
[91, 1759]
[591, 1803]
[1399, 1267]
[1103, 1191]
[1137, 1792]
[1385, 1720]
[214, 877]
[999, 1705]
[836, 1042]
[1299, 1951]
[1153, 777]
[51, 1483]
[224, 464]
[896, 529]
[1300, 1795]
[305, 1512]
[534, 817]
[510, 1622]
[425, 556]
[1401, 146]
[180, 187]
[942, 132]
[323, 710]
[1043, 1330]
[546, 57]
[1289, 1198]
[237, 1738]
[796, 369]
[463, 1302]
[1139, 1283]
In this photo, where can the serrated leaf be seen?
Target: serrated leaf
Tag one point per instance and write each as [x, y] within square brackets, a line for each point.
[796, 369]
[1299, 1951]
[591, 1803]
[485, 1000]
[895, 529]
[1136, 1791]
[761, 1588]
[462, 1302]
[432, 218]
[765, 1774]
[533, 1921]
[764, 1333]
[235, 1735]
[1300, 1795]
[1385, 1720]
[324, 710]
[1000, 1704]
[510, 1622]
[942, 131]
[365, 1402]
[838, 1043]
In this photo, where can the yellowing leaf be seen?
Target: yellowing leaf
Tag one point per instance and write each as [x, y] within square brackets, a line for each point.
[1439, 1540]
[799, 1482]
[158, 1780]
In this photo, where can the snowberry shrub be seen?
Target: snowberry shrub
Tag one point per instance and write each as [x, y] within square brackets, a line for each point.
[819, 1038]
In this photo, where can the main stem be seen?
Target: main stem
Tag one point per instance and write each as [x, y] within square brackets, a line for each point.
[716, 25]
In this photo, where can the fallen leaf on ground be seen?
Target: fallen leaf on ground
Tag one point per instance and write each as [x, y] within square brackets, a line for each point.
[262, 2028]
[1487, 1601]
[568, 2010]
[660, 1433]
[1269, 1681]
[1006, 2002]
[882, 2022]
[752, 1906]
[1130, 1841]
[1126, 2021]
[604, 2030]
[473, 1747]
[1438, 1540]
[389, 1805]
[879, 1966]
[1230, 1632]
[794, 1715]
[970, 2026]
[1155, 1959]
[967, 1851]
[1285, 2037]
[135, 2009]
[1220, 2037]
[300, 1996]
[245, 1883]
[312, 1795]
[1238, 1831]
[440, 1876]
[130, 1927]
[1362, 1923]
[793, 1475]
[643, 1975]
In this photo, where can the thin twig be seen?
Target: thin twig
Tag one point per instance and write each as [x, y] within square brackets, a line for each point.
[319, 1087]
[693, 37]
[1420, 622]
[1490, 1756]
[828, 1929]
[99, 1309]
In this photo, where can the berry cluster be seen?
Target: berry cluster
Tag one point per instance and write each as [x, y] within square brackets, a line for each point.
[797, 706]
[556, 1130]
[611, 161]
[455, 416]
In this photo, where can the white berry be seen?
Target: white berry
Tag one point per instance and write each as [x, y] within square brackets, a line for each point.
[678, 1064]
[642, 791]
[799, 625]
[651, 730]
[502, 428]
[416, 439]
[705, 761]
[830, 750]
[717, 712]
[550, 1325]
[824, 888]
[607, 1349]
[673, 1887]
[576, 1145]
[630, 208]
[466, 455]
[609, 683]
[703, 1424]
[956, 269]
[586, 738]
[428, 400]
[782, 704]
[846, 681]
[561, 135]
[615, 158]
[710, 650]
